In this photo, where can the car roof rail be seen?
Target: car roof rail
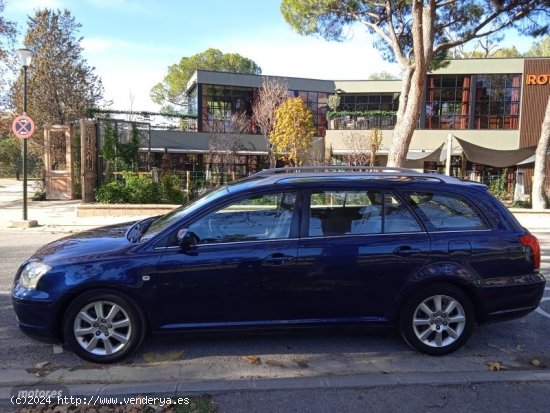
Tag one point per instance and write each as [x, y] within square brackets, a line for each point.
[378, 171]
[331, 168]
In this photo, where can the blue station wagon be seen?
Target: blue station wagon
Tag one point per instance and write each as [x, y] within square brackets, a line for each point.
[429, 254]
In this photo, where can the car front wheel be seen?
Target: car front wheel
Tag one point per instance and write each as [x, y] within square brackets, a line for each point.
[103, 327]
[437, 320]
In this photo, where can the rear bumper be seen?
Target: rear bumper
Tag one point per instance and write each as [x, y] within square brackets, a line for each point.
[510, 297]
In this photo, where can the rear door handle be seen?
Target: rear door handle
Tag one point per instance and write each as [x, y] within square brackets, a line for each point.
[406, 251]
[278, 258]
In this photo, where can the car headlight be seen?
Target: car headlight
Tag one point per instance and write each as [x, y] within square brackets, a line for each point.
[32, 273]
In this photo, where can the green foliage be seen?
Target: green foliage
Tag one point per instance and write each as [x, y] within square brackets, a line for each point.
[113, 192]
[39, 195]
[521, 204]
[341, 113]
[384, 75]
[172, 89]
[499, 186]
[330, 19]
[170, 190]
[119, 155]
[539, 49]
[92, 112]
[136, 188]
[128, 152]
[333, 102]
[8, 33]
[110, 140]
[61, 84]
[10, 155]
[141, 189]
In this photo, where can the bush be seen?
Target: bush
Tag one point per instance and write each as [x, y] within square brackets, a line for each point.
[114, 192]
[171, 191]
[141, 189]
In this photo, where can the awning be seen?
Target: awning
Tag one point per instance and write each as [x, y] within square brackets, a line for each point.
[494, 157]
[431, 156]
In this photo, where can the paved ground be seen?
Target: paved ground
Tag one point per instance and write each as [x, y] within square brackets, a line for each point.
[427, 389]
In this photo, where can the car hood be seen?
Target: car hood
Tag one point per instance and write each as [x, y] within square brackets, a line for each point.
[89, 245]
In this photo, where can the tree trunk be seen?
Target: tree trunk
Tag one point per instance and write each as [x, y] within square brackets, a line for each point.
[407, 119]
[538, 195]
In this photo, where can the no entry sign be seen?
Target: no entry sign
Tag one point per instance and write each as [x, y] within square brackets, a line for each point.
[23, 127]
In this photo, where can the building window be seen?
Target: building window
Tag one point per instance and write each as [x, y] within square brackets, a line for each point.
[317, 103]
[448, 102]
[221, 103]
[497, 101]
[363, 102]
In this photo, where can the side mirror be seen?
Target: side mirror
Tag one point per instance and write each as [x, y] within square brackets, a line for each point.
[187, 240]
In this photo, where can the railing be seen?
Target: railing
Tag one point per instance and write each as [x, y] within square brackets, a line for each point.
[352, 122]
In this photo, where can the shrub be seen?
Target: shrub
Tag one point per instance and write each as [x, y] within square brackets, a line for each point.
[141, 189]
[114, 192]
[171, 191]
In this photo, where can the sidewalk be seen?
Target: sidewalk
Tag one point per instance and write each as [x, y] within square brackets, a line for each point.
[59, 216]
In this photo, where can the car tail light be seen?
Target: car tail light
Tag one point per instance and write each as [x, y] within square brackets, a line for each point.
[532, 242]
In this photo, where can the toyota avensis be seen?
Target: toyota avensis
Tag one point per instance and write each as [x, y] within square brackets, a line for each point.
[429, 254]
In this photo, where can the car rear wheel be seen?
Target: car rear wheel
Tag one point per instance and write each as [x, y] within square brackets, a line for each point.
[103, 327]
[437, 320]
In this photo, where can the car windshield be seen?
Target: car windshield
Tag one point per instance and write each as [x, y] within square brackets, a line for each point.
[164, 221]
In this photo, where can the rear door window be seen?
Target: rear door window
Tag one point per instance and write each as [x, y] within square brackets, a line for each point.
[334, 213]
[446, 212]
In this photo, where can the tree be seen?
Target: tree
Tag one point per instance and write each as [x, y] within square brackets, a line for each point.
[293, 130]
[61, 85]
[8, 33]
[382, 76]
[412, 33]
[10, 155]
[539, 178]
[224, 145]
[358, 149]
[270, 96]
[539, 49]
[171, 91]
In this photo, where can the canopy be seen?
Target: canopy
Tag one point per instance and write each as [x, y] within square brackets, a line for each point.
[494, 157]
[433, 156]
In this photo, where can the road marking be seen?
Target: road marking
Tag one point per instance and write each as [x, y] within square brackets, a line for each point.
[541, 311]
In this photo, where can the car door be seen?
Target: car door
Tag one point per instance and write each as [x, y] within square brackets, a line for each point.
[237, 274]
[359, 247]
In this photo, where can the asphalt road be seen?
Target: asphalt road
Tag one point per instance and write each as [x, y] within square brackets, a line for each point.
[514, 345]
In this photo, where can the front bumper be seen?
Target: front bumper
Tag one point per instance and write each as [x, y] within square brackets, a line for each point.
[37, 317]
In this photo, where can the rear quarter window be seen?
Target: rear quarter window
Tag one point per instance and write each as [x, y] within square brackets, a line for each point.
[446, 212]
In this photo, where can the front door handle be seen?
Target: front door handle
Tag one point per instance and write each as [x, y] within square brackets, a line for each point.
[278, 258]
[406, 251]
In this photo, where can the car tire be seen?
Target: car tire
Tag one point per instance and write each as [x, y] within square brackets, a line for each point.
[103, 327]
[437, 320]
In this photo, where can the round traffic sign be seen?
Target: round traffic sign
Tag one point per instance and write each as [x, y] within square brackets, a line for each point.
[23, 127]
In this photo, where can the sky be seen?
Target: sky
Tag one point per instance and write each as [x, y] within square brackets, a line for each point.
[131, 43]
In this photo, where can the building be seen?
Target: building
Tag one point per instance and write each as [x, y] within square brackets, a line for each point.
[486, 112]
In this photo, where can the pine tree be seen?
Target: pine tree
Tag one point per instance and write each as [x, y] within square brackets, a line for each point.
[61, 84]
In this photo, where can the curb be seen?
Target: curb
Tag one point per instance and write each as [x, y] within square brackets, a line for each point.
[182, 388]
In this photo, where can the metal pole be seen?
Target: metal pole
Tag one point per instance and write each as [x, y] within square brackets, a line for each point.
[449, 153]
[24, 146]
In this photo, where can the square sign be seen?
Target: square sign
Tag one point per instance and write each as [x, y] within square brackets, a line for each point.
[23, 127]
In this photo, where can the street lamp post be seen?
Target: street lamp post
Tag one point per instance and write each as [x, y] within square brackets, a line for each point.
[25, 58]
